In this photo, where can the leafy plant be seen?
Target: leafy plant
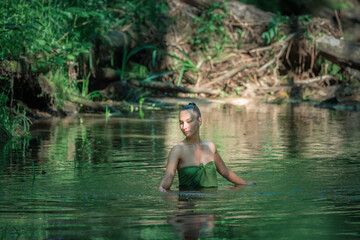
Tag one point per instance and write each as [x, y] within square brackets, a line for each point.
[126, 56]
[139, 71]
[304, 19]
[60, 86]
[273, 29]
[85, 85]
[211, 31]
[13, 122]
[185, 64]
[238, 90]
[151, 76]
[328, 67]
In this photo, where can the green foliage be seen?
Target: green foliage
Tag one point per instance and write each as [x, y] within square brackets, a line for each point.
[54, 35]
[185, 64]
[328, 67]
[335, 4]
[5, 121]
[127, 55]
[139, 12]
[136, 70]
[61, 87]
[211, 33]
[13, 122]
[141, 112]
[305, 19]
[107, 113]
[85, 85]
[49, 32]
[151, 76]
[238, 90]
[273, 29]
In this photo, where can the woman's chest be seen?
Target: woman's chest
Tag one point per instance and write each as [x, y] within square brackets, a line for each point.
[193, 156]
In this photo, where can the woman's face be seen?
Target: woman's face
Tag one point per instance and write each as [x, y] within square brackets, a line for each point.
[189, 122]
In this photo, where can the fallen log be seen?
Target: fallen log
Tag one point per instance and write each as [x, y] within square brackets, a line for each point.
[170, 87]
[351, 15]
[244, 13]
[279, 55]
[49, 88]
[163, 86]
[335, 104]
[229, 74]
[339, 51]
[354, 73]
[316, 79]
[200, 4]
[99, 107]
[119, 88]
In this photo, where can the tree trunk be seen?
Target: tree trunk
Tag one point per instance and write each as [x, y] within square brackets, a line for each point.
[245, 13]
[339, 51]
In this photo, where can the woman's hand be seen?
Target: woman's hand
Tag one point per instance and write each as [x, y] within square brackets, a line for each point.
[250, 183]
[161, 189]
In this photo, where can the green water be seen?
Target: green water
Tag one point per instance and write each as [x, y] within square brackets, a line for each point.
[85, 177]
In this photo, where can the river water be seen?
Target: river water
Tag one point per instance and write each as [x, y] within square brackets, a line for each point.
[88, 177]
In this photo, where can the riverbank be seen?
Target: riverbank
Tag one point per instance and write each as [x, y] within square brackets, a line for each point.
[220, 51]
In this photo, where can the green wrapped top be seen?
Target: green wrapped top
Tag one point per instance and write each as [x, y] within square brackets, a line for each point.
[203, 176]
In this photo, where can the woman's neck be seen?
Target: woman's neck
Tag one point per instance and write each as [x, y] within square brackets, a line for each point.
[193, 140]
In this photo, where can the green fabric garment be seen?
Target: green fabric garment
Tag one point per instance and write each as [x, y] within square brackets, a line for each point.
[203, 176]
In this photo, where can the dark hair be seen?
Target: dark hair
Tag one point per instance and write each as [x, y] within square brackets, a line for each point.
[193, 107]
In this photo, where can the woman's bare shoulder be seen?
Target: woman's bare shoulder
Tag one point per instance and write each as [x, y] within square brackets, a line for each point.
[177, 147]
[210, 145]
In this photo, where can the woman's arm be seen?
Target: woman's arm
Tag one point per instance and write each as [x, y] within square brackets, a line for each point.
[171, 166]
[224, 171]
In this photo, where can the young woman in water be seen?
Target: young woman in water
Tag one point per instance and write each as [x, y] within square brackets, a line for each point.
[195, 159]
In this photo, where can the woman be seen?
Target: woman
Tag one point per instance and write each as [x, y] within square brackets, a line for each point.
[195, 159]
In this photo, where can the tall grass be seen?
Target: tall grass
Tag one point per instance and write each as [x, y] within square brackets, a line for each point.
[5, 122]
[13, 122]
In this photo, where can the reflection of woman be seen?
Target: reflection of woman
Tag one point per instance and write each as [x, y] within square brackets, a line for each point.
[188, 223]
[195, 159]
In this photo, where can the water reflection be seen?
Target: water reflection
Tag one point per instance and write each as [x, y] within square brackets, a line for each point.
[192, 214]
[101, 177]
[187, 221]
